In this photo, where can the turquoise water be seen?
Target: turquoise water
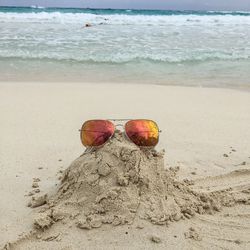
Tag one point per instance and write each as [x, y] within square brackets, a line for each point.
[39, 9]
[145, 46]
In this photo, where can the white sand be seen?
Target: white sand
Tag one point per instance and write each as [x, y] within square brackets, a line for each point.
[39, 126]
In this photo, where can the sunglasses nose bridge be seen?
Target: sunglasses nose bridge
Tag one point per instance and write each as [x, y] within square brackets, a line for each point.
[119, 125]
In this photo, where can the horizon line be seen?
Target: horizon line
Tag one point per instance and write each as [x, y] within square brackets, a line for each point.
[89, 8]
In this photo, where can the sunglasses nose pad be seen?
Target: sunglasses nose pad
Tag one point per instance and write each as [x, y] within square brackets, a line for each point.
[117, 129]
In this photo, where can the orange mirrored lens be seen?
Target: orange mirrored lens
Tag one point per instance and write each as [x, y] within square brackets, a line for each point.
[144, 133]
[96, 132]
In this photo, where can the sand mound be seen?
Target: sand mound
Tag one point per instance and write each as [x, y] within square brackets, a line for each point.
[120, 183]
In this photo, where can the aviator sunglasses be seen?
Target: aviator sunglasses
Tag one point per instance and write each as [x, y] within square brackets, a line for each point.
[143, 133]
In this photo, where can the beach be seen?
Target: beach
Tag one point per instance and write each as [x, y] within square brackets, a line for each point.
[186, 70]
[205, 132]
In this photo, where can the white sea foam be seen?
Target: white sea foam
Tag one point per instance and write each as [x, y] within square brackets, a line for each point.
[57, 17]
[124, 38]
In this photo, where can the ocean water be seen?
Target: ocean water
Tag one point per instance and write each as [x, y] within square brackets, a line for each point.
[144, 46]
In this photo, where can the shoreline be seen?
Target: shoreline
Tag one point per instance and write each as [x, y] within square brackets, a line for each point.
[201, 74]
[241, 88]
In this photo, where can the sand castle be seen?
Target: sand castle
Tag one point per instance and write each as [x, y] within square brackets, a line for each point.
[120, 184]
